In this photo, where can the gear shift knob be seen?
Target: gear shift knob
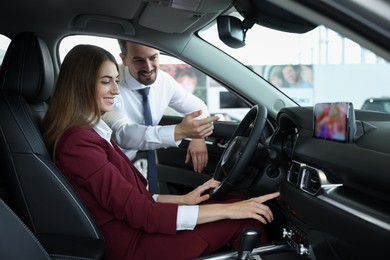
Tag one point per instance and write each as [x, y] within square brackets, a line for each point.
[249, 239]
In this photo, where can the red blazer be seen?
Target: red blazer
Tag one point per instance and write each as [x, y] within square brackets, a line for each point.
[115, 193]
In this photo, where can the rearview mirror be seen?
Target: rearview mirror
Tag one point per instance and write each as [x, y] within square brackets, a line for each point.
[231, 31]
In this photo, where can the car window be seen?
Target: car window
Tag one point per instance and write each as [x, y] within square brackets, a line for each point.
[69, 42]
[317, 66]
[4, 42]
[218, 99]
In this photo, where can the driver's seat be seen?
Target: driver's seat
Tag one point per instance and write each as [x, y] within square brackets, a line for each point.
[36, 190]
[14, 235]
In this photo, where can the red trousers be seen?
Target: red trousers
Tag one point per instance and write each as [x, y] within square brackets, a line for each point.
[205, 239]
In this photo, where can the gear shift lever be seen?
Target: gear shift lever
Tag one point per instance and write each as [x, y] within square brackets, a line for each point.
[249, 239]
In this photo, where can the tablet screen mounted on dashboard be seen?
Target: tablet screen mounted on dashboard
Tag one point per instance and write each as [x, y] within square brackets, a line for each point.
[334, 121]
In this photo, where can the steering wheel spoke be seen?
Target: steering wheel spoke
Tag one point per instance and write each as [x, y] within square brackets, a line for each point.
[239, 151]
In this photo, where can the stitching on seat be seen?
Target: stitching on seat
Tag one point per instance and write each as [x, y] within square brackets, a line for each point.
[26, 229]
[34, 129]
[33, 126]
[71, 195]
[68, 257]
[17, 178]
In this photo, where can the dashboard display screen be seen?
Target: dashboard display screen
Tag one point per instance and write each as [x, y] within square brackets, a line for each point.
[332, 121]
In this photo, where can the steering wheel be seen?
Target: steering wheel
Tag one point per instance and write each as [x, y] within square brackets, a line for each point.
[239, 151]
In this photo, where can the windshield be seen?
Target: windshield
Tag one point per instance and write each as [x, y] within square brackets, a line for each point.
[318, 66]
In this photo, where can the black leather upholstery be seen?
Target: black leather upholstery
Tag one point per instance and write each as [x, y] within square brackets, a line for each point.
[16, 240]
[37, 191]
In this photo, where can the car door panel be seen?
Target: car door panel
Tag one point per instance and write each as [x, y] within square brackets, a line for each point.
[177, 177]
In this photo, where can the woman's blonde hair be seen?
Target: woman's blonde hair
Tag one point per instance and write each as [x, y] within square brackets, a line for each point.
[74, 101]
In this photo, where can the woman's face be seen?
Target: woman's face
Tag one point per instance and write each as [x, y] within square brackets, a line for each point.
[107, 86]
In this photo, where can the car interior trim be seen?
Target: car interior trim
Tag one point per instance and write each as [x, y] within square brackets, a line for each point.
[85, 20]
[356, 213]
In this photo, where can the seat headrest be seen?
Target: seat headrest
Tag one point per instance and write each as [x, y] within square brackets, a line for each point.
[27, 68]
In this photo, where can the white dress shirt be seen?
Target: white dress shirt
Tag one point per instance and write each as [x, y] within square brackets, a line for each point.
[187, 215]
[127, 120]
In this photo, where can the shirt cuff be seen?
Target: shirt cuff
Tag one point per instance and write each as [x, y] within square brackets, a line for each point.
[187, 216]
[167, 134]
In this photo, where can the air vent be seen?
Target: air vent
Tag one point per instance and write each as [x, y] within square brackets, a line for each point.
[294, 173]
[311, 180]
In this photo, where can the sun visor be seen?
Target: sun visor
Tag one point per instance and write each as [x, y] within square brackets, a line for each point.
[167, 19]
[176, 16]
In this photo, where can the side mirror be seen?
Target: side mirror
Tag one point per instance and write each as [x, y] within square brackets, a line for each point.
[231, 31]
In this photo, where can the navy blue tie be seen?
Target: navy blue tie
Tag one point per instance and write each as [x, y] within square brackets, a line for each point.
[152, 167]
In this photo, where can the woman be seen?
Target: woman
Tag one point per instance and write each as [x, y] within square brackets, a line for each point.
[135, 223]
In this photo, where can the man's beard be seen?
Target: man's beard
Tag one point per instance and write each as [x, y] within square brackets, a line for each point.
[147, 80]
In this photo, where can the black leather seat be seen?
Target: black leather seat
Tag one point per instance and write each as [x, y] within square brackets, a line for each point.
[16, 240]
[36, 190]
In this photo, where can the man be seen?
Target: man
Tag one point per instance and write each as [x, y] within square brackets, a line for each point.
[293, 78]
[141, 70]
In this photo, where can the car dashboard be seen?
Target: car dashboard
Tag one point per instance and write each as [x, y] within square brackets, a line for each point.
[334, 199]
[335, 196]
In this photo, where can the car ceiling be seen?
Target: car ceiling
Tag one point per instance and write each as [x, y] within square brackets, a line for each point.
[139, 20]
[62, 14]
[128, 17]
